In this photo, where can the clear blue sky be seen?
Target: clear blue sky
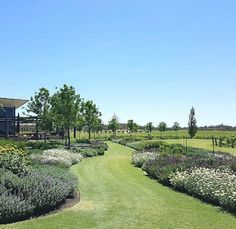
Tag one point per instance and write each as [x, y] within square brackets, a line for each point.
[146, 60]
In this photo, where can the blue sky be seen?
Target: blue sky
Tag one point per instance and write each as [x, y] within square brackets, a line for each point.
[144, 60]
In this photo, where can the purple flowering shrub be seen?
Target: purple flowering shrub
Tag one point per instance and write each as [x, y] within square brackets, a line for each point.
[39, 191]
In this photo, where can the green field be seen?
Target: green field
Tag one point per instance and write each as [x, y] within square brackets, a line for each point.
[114, 194]
[202, 143]
[157, 134]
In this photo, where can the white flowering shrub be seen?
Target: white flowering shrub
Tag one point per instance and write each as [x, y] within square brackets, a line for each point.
[59, 157]
[213, 185]
[139, 158]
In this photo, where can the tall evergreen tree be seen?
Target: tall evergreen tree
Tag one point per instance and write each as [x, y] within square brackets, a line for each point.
[192, 123]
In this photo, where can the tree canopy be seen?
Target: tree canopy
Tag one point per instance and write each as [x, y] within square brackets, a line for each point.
[66, 107]
[132, 126]
[40, 105]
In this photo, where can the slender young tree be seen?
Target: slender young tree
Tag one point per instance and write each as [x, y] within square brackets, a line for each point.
[40, 105]
[66, 105]
[176, 127]
[149, 128]
[135, 128]
[192, 123]
[90, 114]
[114, 124]
[97, 126]
[162, 127]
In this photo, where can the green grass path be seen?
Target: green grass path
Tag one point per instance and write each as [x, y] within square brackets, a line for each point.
[117, 195]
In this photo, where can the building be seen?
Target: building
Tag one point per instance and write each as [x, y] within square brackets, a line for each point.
[8, 116]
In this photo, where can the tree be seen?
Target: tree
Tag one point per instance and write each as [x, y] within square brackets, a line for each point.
[41, 106]
[66, 105]
[149, 128]
[135, 127]
[80, 124]
[162, 127]
[90, 113]
[192, 123]
[114, 124]
[97, 126]
[132, 126]
[176, 127]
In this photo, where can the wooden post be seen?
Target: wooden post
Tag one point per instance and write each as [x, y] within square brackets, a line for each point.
[18, 124]
[186, 144]
[213, 143]
[14, 122]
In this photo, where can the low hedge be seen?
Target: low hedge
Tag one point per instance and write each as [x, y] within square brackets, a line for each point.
[39, 191]
[88, 152]
[44, 145]
[58, 157]
[91, 149]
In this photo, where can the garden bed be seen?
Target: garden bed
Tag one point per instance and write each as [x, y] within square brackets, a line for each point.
[38, 182]
[210, 176]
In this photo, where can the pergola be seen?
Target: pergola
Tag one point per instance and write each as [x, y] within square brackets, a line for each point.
[8, 108]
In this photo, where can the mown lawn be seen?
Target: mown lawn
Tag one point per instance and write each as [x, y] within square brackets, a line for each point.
[202, 143]
[117, 195]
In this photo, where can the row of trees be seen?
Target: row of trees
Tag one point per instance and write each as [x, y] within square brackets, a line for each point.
[63, 110]
[149, 127]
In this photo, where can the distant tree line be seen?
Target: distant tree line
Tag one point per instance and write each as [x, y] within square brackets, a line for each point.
[132, 127]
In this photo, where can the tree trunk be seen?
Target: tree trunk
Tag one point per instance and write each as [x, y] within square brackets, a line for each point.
[89, 132]
[75, 130]
[63, 134]
[68, 132]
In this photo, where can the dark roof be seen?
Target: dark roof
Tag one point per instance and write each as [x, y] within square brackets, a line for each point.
[9, 102]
